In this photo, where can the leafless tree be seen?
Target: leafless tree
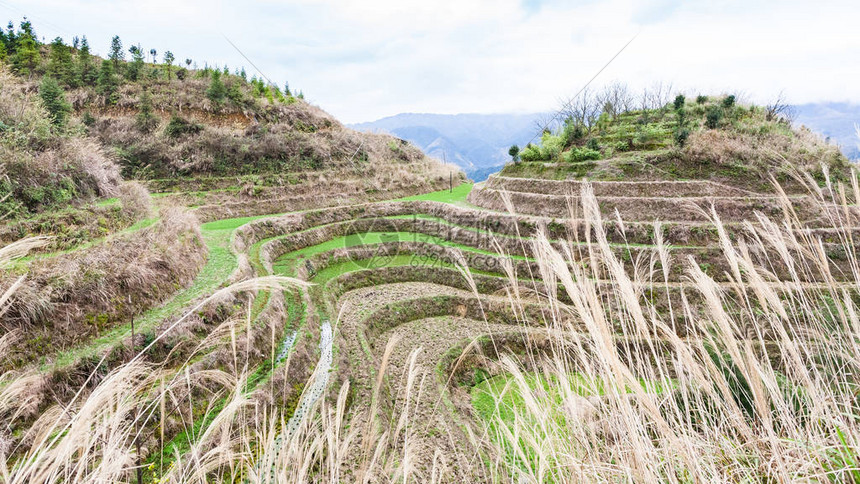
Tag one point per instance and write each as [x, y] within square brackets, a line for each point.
[780, 109]
[583, 109]
[546, 122]
[656, 96]
[616, 99]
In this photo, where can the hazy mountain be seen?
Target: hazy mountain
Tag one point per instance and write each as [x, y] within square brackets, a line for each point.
[836, 120]
[478, 143]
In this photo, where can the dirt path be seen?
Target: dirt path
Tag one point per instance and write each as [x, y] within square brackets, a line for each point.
[439, 430]
[437, 433]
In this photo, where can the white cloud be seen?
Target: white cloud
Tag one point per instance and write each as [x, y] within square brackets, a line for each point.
[364, 60]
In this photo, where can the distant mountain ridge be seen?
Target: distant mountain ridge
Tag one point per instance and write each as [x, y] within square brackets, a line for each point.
[478, 143]
[836, 120]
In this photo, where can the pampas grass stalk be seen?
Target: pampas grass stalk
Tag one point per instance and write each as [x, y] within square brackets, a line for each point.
[749, 380]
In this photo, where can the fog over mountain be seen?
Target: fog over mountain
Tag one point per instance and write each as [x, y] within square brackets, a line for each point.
[479, 143]
[834, 120]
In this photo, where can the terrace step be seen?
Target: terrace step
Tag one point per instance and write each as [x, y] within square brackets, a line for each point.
[690, 188]
[675, 209]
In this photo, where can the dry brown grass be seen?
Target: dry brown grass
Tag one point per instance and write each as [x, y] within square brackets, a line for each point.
[45, 166]
[19, 108]
[94, 437]
[257, 137]
[766, 151]
[73, 297]
[764, 390]
[260, 148]
[135, 200]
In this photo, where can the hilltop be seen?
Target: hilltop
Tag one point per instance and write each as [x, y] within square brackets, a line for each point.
[155, 122]
[707, 137]
[478, 143]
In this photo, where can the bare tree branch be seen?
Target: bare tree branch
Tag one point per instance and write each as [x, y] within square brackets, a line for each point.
[779, 109]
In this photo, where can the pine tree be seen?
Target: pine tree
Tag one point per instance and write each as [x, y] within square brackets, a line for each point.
[216, 91]
[259, 88]
[234, 92]
[287, 89]
[276, 93]
[146, 120]
[107, 83]
[54, 100]
[11, 39]
[2, 50]
[60, 65]
[27, 54]
[168, 63]
[86, 70]
[135, 67]
[27, 28]
[153, 53]
[116, 55]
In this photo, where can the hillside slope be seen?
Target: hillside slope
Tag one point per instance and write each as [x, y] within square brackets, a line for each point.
[711, 138]
[169, 126]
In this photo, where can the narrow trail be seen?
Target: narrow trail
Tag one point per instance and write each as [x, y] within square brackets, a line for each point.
[286, 346]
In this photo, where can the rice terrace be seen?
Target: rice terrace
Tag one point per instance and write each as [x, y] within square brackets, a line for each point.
[207, 278]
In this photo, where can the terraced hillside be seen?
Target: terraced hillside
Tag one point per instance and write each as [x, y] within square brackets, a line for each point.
[391, 277]
[388, 279]
[679, 316]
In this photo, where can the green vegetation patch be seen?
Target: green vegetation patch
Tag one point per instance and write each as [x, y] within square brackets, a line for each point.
[715, 138]
[497, 398]
[455, 196]
[499, 402]
[219, 265]
[286, 263]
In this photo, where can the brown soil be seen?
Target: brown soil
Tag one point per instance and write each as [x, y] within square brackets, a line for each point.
[437, 429]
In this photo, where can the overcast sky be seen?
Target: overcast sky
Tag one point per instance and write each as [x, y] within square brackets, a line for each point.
[363, 60]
